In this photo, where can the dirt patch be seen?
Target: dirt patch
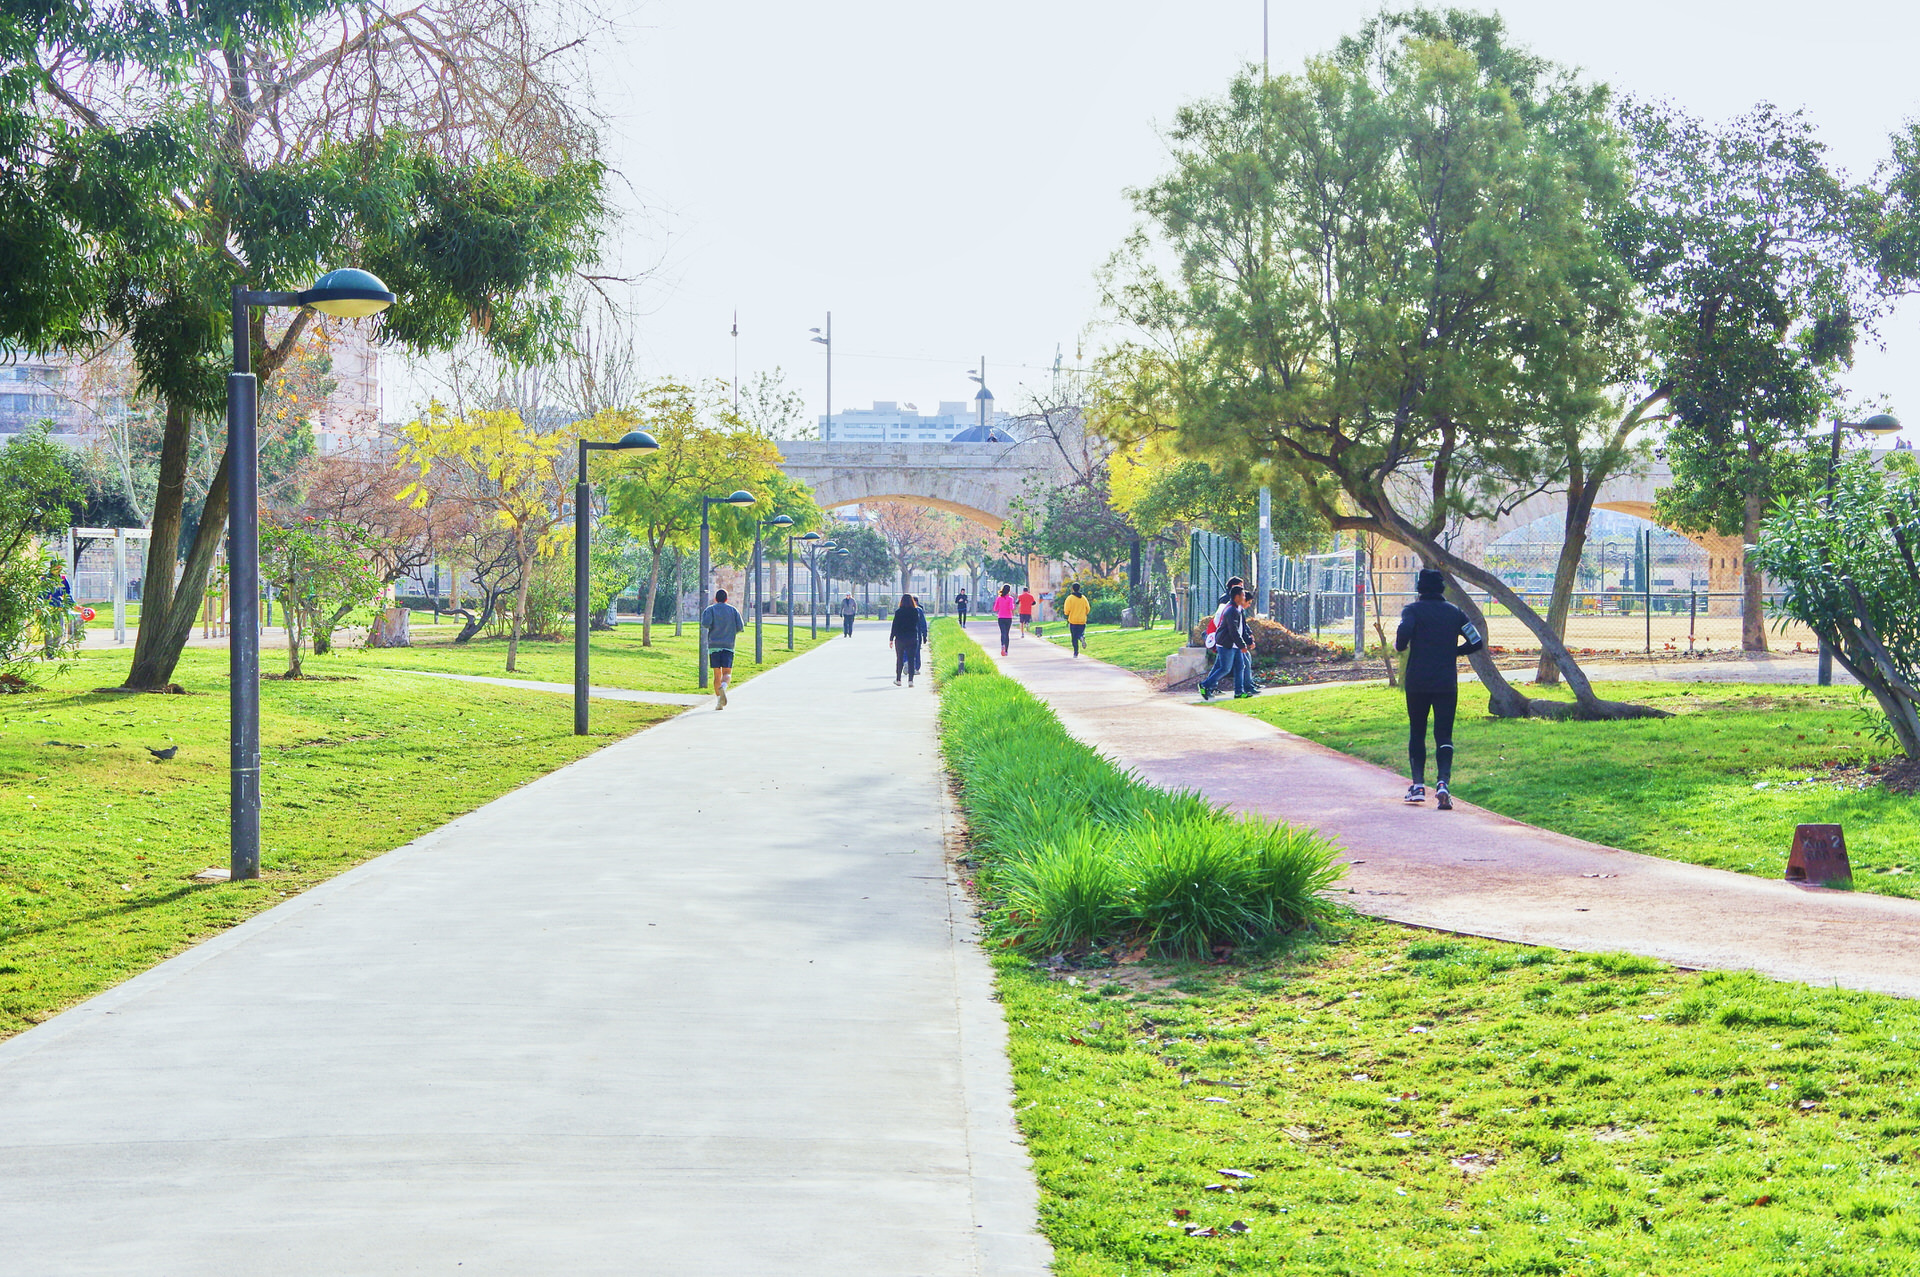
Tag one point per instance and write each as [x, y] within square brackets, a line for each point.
[1896, 775]
[171, 689]
[14, 685]
[312, 678]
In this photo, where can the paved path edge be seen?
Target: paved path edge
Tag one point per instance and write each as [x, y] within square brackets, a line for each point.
[1006, 1196]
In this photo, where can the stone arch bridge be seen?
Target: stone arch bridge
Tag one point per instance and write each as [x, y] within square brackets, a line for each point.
[977, 481]
[1624, 494]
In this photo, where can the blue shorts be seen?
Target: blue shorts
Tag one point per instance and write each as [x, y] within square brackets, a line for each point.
[720, 658]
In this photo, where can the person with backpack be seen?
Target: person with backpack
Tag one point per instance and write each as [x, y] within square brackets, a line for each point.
[1232, 638]
[1003, 612]
[1076, 607]
[1435, 635]
[908, 633]
[720, 624]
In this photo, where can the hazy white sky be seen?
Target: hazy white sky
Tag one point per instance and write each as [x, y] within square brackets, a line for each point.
[947, 180]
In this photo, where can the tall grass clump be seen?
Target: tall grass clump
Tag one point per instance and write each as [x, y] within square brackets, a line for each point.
[1075, 853]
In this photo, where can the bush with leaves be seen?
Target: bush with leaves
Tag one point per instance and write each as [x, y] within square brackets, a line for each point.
[38, 490]
[322, 569]
[1847, 568]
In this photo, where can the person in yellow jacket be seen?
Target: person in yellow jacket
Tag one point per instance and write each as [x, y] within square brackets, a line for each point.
[1075, 608]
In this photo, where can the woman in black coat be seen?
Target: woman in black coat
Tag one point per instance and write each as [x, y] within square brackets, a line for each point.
[908, 633]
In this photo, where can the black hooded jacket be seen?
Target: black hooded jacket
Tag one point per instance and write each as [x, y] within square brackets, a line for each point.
[1429, 628]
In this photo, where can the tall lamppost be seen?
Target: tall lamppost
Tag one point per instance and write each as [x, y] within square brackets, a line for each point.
[814, 552]
[633, 441]
[826, 339]
[759, 594]
[706, 504]
[809, 538]
[837, 552]
[1880, 424]
[349, 294]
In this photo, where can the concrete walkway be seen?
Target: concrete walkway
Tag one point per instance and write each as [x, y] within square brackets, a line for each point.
[1470, 870]
[703, 1003]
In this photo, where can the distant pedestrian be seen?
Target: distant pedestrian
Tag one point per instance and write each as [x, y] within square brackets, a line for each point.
[1243, 684]
[960, 607]
[1435, 635]
[847, 610]
[1027, 604]
[1231, 640]
[1075, 607]
[1003, 612]
[720, 625]
[908, 633]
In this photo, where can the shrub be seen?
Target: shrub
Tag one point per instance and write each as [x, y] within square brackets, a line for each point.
[1074, 852]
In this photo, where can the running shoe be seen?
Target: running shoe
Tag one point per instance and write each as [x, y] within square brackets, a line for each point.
[1442, 797]
[1416, 793]
[723, 696]
[1206, 693]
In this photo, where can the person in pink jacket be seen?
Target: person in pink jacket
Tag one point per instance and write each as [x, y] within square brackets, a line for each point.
[1003, 612]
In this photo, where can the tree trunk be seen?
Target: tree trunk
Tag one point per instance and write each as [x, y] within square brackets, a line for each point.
[1566, 572]
[1753, 619]
[519, 609]
[294, 668]
[167, 611]
[653, 595]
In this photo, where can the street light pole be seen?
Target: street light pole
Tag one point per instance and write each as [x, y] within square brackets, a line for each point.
[349, 294]
[809, 538]
[759, 594]
[632, 441]
[706, 504]
[1880, 423]
[826, 339]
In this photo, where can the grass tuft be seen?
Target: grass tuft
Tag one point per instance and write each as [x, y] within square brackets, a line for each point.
[1077, 853]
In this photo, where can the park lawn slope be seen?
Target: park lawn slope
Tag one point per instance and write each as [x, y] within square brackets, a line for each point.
[1142, 651]
[1722, 783]
[1404, 1103]
[616, 657]
[1376, 1099]
[99, 840]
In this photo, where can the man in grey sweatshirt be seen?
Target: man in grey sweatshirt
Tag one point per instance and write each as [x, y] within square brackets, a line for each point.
[720, 625]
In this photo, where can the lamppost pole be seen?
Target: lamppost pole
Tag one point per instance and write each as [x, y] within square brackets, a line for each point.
[759, 594]
[809, 538]
[826, 339]
[243, 565]
[632, 441]
[1880, 423]
[707, 503]
[349, 294]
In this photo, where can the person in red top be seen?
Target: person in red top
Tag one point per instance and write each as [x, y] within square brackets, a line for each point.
[1003, 612]
[1027, 603]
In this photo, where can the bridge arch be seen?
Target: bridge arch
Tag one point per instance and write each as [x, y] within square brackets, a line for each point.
[977, 481]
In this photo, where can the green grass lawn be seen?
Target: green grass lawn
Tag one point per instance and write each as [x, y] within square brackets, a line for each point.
[1407, 1103]
[1142, 651]
[1721, 783]
[98, 840]
[617, 658]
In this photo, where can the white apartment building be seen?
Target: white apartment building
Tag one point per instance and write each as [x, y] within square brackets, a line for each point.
[890, 421]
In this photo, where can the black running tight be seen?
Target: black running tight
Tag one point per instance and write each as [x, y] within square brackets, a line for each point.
[1006, 631]
[1442, 702]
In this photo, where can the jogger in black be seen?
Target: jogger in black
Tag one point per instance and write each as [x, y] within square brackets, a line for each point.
[1434, 634]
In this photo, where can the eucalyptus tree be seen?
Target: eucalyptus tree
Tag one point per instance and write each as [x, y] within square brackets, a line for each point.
[1390, 275]
[192, 147]
[1757, 264]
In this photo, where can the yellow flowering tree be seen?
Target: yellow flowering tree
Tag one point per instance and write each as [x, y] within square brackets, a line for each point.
[498, 470]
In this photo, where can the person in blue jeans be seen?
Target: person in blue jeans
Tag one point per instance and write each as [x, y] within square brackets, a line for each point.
[1231, 639]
